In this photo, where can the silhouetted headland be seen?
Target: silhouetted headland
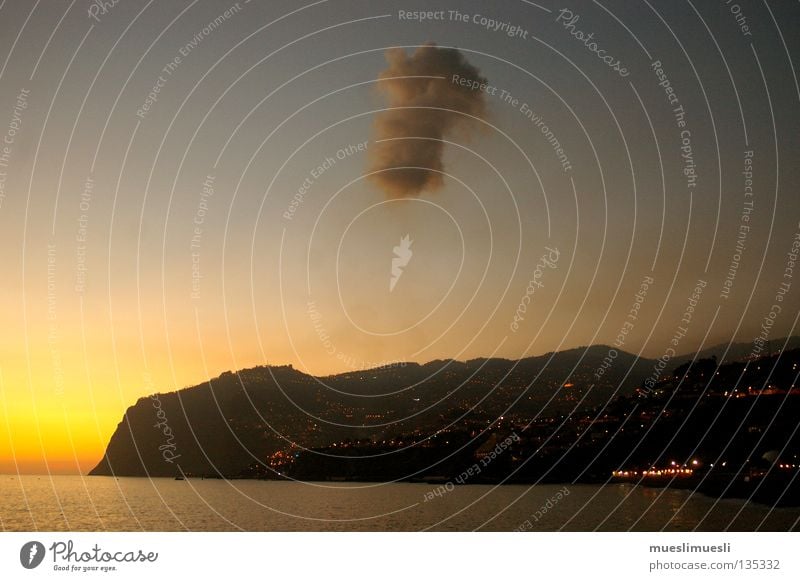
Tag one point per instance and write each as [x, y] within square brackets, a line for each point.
[571, 416]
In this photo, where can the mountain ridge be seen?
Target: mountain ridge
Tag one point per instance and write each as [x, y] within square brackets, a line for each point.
[225, 425]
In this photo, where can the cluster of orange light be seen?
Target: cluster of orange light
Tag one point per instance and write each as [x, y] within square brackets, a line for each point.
[654, 472]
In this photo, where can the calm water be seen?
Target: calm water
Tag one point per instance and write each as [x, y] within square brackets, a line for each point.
[103, 503]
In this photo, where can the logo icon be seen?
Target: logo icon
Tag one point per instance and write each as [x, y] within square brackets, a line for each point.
[31, 554]
[402, 254]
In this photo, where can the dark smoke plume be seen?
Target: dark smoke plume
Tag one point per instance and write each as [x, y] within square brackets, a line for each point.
[427, 109]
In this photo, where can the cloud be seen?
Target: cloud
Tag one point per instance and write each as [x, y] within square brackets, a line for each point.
[426, 105]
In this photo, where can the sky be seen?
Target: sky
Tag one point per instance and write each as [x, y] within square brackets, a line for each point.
[197, 186]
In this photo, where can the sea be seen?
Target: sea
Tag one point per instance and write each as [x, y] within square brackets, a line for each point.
[100, 503]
